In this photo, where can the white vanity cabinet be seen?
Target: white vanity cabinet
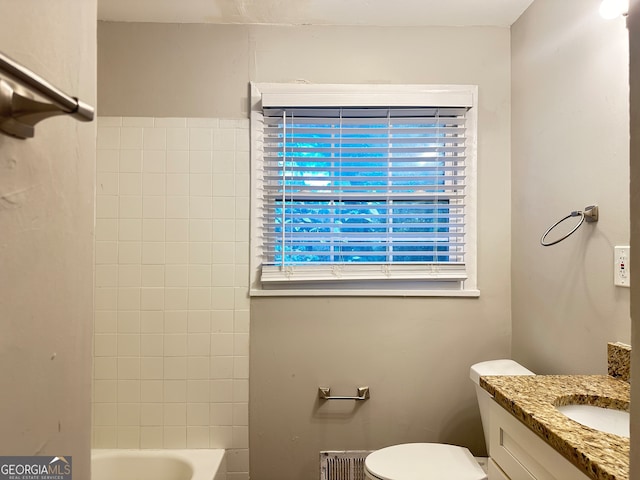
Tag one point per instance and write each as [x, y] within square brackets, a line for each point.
[519, 454]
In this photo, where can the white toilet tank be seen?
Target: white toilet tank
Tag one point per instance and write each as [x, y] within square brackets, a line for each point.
[492, 367]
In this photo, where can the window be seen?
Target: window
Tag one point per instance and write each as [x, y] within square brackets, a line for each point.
[363, 189]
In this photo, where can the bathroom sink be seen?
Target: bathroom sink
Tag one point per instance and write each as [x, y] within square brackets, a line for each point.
[607, 420]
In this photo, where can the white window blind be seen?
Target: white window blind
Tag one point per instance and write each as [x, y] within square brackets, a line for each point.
[363, 193]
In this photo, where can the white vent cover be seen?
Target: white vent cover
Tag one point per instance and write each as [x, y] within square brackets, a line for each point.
[343, 465]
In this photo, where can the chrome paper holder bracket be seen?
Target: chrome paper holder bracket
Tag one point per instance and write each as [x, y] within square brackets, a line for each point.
[324, 393]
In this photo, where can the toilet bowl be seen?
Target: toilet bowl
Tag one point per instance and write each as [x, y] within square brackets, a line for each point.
[423, 461]
[437, 461]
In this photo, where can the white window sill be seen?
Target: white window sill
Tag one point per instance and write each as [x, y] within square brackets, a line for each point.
[347, 292]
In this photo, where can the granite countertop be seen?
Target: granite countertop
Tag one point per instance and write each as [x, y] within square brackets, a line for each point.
[532, 400]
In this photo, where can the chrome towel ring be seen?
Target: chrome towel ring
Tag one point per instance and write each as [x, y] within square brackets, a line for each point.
[590, 214]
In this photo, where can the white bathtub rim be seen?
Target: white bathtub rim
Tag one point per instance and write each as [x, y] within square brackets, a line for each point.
[205, 462]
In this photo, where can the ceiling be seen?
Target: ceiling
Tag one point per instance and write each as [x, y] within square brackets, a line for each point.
[317, 12]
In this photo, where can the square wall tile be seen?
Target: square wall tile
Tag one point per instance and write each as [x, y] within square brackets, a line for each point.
[151, 298]
[154, 206]
[177, 230]
[152, 275]
[106, 229]
[155, 138]
[107, 160]
[107, 206]
[151, 437]
[177, 139]
[130, 206]
[108, 137]
[130, 161]
[200, 161]
[128, 367]
[175, 391]
[221, 414]
[177, 206]
[128, 391]
[129, 275]
[197, 437]
[151, 414]
[198, 391]
[177, 161]
[105, 437]
[200, 184]
[154, 161]
[175, 437]
[107, 183]
[130, 183]
[154, 183]
[177, 184]
[152, 321]
[220, 437]
[152, 345]
[129, 414]
[153, 253]
[105, 321]
[175, 368]
[153, 229]
[152, 391]
[128, 437]
[130, 138]
[128, 346]
[198, 414]
[129, 322]
[198, 367]
[175, 414]
[105, 368]
[152, 368]
[200, 138]
[106, 276]
[199, 321]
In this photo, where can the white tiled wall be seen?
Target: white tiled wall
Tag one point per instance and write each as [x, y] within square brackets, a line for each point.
[171, 349]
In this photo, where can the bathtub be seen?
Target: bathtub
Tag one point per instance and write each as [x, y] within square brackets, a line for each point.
[196, 464]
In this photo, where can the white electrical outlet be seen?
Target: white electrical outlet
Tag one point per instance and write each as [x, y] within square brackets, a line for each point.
[621, 267]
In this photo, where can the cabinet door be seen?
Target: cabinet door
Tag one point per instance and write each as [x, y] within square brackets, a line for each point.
[522, 455]
[495, 472]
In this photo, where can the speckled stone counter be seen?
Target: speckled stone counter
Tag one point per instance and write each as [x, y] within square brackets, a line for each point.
[532, 400]
[619, 361]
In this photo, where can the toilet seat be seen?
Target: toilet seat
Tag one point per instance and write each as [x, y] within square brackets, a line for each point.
[423, 461]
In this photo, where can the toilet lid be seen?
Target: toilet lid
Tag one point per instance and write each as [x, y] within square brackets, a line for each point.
[423, 461]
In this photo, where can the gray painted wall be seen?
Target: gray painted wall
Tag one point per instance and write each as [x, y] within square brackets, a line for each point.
[46, 250]
[570, 148]
[413, 353]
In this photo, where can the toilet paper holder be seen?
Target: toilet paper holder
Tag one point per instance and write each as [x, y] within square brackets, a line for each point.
[324, 393]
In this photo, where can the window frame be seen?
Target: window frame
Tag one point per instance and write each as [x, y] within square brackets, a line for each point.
[355, 95]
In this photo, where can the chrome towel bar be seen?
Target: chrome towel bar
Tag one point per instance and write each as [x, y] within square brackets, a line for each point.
[19, 113]
[324, 393]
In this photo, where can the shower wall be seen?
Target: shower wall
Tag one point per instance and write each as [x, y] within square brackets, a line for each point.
[172, 314]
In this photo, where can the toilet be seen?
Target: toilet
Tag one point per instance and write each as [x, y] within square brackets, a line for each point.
[438, 461]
